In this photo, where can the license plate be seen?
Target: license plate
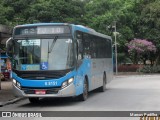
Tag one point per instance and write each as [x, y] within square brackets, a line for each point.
[40, 92]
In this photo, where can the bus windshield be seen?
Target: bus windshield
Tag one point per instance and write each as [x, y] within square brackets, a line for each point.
[43, 54]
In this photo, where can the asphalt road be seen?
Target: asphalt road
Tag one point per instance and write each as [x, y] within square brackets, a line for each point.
[124, 93]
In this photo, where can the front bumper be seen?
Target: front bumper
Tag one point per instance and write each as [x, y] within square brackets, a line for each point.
[66, 92]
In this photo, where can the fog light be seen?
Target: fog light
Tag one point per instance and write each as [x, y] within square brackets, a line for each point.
[64, 84]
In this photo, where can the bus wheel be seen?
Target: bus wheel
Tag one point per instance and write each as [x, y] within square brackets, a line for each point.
[84, 95]
[34, 100]
[103, 87]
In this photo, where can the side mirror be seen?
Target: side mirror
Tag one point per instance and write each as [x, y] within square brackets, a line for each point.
[9, 47]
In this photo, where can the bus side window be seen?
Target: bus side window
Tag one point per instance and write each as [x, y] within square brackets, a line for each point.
[93, 48]
[87, 47]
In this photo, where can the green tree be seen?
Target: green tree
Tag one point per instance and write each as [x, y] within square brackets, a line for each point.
[31, 11]
[141, 50]
[101, 14]
[150, 24]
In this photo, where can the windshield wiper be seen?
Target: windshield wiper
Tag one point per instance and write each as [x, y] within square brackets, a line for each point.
[52, 45]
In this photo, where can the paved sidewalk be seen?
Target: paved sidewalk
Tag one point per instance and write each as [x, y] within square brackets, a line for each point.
[6, 95]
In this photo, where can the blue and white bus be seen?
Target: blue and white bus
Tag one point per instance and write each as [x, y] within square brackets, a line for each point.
[59, 60]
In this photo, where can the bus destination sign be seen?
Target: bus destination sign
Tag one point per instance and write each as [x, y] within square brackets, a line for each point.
[50, 30]
[42, 30]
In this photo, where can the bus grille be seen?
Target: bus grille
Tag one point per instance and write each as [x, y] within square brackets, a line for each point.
[32, 91]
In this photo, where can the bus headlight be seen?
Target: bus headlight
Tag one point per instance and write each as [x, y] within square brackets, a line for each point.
[14, 81]
[17, 84]
[68, 82]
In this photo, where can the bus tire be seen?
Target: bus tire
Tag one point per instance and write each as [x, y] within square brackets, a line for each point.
[84, 95]
[33, 100]
[103, 87]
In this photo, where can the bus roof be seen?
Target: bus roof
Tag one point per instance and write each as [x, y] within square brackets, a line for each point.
[75, 27]
[41, 24]
[90, 31]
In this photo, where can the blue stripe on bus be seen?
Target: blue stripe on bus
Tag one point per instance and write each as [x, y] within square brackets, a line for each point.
[82, 71]
[80, 28]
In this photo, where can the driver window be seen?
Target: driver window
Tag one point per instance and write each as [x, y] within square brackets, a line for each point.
[79, 45]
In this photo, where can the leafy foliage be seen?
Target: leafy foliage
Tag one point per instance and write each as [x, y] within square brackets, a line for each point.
[31, 11]
[149, 69]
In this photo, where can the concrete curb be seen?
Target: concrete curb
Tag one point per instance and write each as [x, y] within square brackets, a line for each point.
[143, 75]
[11, 101]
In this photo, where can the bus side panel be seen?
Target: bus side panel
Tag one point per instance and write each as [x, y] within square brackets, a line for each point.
[97, 73]
[82, 71]
[109, 69]
[98, 67]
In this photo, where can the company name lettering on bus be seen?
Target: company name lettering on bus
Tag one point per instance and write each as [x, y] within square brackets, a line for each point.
[30, 67]
[53, 83]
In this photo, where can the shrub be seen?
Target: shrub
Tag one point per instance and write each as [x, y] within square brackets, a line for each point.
[149, 69]
[128, 68]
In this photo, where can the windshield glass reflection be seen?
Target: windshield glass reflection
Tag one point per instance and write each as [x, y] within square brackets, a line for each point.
[43, 54]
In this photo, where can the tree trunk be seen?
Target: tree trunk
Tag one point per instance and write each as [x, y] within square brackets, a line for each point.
[144, 62]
